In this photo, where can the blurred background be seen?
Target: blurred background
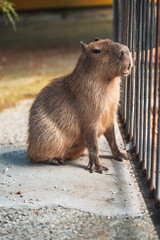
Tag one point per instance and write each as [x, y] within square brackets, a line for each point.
[43, 43]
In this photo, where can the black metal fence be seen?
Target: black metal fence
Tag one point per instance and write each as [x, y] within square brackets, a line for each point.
[137, 24]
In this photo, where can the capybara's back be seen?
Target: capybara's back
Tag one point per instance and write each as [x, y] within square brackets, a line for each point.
[72, 111]
[53, 123]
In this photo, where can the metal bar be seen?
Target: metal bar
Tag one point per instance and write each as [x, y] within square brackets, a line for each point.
[145, 129]
[121, 33]
[142, 82]
[125, 39]
[119, 8]
[157, 63]
[139, 5]
[154, 140]
[129, 77]
[150, 90]
[133, 70]
[135, 80]
[116, 20]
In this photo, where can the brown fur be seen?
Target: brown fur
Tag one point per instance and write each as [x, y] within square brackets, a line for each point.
[72, 111]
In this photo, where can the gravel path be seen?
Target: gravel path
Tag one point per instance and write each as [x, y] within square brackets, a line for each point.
[13, 125]
[60, 223]
[55, 221]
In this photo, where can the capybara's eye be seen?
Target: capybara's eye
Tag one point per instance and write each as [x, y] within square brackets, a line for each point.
[122, 54]
[96, 39]
[96, 50]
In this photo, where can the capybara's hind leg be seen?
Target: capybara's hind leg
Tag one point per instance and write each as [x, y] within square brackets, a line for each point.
[56, 161]
[75, 151]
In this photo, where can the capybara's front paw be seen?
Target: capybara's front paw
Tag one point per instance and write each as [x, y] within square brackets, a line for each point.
[105, 168]
[92, 167]
[120, 156]
[99, 168]
[124, 156]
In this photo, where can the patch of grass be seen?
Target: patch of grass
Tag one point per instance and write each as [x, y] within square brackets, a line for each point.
[10, 95]
[32, 72]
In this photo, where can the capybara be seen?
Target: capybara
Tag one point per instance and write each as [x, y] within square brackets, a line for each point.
[71, 112]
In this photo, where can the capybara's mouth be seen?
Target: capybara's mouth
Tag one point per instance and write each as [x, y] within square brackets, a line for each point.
[126, 71]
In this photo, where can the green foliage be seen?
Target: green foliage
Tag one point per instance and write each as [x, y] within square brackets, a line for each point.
[9, 12]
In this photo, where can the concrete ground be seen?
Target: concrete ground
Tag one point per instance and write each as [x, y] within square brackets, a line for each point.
[67, 191]
[113, 193]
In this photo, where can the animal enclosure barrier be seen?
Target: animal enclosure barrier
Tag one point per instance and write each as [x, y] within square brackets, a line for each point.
[137, 24]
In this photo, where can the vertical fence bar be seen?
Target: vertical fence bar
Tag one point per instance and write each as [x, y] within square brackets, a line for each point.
[123, 35]
[120, 20]
[129, 77]
[142, 82]
[125, 39]
[133, 70]
[126, 43]
[150, 89]
[154, 128]
[116, 19]
[135, 81]
[120, 40]
[139, 36]
[145, 129]
[157, 74]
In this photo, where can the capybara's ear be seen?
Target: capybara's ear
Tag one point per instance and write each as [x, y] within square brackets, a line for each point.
[97, 39]
[83, 46]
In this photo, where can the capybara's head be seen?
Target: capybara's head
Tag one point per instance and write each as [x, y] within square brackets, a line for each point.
[108, 57]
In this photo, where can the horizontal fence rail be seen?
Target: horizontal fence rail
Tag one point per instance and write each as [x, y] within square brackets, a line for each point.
[137, 25]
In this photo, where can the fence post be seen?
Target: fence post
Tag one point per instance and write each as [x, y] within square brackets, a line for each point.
[116, 20]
